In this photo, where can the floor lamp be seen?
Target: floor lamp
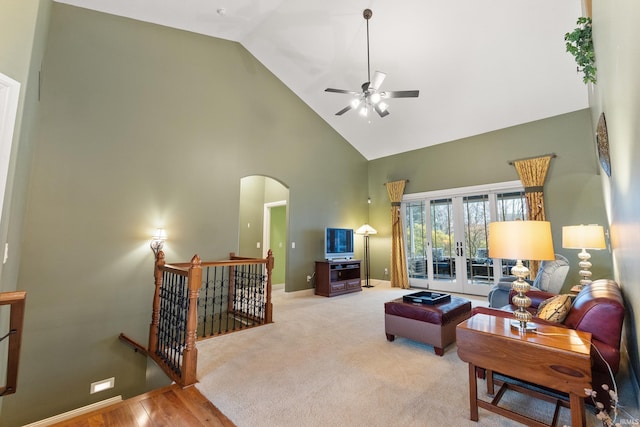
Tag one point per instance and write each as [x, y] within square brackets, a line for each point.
[365, 231]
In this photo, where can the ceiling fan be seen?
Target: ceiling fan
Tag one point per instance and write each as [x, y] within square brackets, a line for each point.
[371, 97]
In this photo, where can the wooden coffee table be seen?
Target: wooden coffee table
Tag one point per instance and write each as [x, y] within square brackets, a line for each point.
[554, 357]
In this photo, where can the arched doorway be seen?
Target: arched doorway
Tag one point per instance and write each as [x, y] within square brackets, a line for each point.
[264, 222]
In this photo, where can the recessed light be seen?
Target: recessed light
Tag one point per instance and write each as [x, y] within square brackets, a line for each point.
[102, 385]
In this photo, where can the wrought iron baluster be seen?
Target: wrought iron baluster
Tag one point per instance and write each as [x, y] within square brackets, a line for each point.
[221, 308]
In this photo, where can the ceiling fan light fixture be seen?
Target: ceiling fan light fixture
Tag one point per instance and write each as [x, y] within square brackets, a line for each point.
[370, 98]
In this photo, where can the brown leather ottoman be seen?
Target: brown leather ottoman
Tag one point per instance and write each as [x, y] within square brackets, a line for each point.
[429, 324]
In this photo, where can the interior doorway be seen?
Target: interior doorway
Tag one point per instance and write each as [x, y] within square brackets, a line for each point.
[275, 238]
[264, 222]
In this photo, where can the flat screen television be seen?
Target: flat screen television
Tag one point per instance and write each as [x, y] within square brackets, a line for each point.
[338, 243]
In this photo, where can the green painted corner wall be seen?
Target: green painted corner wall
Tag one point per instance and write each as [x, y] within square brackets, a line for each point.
[617, 95]
[573, 194]
[145, 126]
[252, 199]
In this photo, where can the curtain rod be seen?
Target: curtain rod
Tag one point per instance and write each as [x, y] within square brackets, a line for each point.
[405, 180]
[552, 155]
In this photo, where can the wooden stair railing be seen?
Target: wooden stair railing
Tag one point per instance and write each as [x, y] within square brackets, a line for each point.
[16, 302]
[269, 267]
[172, 334]
[175, 318]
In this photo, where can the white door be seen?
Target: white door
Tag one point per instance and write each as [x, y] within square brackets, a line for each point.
[446, 237]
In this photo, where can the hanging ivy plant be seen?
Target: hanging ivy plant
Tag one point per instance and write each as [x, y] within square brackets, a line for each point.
[580, 45]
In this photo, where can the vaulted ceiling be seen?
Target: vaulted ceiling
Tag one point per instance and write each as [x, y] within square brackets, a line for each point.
[479, 65]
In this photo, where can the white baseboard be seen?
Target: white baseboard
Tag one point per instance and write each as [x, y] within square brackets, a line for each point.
[75, 412]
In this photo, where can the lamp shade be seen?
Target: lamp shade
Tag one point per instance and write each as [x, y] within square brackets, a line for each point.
[523, 240]
[583, 237]
[366, 229]
[160, 234]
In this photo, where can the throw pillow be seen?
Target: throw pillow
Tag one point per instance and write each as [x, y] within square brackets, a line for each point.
[555, 309]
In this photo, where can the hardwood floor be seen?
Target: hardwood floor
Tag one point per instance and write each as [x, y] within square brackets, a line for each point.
[169, 406]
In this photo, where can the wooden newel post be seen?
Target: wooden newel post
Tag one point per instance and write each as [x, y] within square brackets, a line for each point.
[16, 301]
[190, 354]
[155, 314]
[268, 310]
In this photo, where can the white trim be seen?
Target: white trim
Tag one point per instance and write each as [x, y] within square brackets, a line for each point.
[75, 412]
[466, 191]
[9, 97]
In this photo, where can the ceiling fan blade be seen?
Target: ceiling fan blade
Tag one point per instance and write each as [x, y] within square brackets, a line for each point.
[380, 111]
[400, 94]
[378, 78]
[349, 92]
[344, 110]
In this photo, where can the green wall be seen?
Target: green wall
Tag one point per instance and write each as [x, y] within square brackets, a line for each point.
[572, 191]
[23, 28]
[251, 215]
[145, 126]
[617, 94]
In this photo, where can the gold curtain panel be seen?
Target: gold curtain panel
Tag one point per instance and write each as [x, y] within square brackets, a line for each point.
[399, 278]
[533, 173]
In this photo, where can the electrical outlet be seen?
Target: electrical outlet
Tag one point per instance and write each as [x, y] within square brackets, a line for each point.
[386, 271]
[308, 278]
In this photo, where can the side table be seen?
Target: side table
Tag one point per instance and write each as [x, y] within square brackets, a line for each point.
[553, 357]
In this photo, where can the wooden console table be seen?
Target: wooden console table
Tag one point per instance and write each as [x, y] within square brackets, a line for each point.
[554, 357]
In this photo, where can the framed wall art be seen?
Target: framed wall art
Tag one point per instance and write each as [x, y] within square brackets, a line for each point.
[602, 140]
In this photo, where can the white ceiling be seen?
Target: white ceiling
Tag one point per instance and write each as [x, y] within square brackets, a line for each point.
[479, 65]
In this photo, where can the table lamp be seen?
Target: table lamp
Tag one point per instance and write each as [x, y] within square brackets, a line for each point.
[366, 230]
[521, 240]
[583, 237]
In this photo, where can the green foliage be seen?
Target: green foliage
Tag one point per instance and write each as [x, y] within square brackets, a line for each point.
[580, 45]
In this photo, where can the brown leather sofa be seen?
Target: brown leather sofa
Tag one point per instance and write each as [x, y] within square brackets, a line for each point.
[598, 309]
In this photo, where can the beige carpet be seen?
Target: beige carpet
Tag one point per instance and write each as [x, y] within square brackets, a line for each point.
[326, 362]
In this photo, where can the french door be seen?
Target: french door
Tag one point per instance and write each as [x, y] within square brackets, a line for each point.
[447, 236]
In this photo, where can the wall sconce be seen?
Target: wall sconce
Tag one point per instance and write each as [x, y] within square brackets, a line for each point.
[157, 240]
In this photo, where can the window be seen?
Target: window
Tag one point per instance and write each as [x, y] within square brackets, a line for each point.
[447, 235]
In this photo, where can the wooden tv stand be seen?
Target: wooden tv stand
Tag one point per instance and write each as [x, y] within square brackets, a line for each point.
[338, 277]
